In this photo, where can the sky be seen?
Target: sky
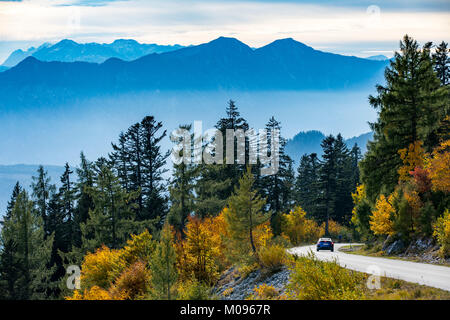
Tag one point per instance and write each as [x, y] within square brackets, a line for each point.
[361, 28]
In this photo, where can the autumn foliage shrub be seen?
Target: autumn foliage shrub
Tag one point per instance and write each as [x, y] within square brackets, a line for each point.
[272, 257]
[312, 279]
[264, 292]
[133, 283]
[442, 233]
[193, 289]
[299, 229]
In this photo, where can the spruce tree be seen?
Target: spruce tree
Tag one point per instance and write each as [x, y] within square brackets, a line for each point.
[11, 203]
[410, 106]
[442, 63]
[24, 244]
[181, 189]
[86, 175]
[306, 184]
[327, 181]
[244, 214]
[42, 191]
[111, 220]
[163, 266]
[217, 181]
[67, 196]
[276, 186]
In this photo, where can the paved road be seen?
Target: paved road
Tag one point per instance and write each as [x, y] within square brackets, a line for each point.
[422, 273]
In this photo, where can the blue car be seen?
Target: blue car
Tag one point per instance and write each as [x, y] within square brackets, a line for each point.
[325, 244]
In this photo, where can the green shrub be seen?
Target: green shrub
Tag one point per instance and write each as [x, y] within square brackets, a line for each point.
[312, 279]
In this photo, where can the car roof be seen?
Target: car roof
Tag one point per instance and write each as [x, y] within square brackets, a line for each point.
[325, 239]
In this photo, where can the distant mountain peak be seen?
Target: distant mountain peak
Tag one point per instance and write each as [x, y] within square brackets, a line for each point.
[227, 41]
[66, 42]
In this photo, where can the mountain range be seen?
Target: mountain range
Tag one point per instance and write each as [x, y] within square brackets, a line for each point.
[70, 51]
[222, 64]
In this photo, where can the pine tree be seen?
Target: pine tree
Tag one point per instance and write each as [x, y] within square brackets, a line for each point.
[164, 272]
[86, 175]
[42, 191]
[140, 166]
[25, 245]
[342, 208]
[11, 203]
[442, 63]
[306, 184]
[216, 181]
[154, 160]
[67, 194]
[275, 186]
[110, 221]
[244, 215]
[327, 181]
[182, 191]
[410, 107]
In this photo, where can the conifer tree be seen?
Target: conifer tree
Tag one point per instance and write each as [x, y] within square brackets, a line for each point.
[327, 181]
[17, 189]
[110, 221]
[67, 194]
[25, 245]
[163, 266]
[245, 213]
[275, 186]
[182, 190]
[42, 191]
[86, 175]
[410, 106]
[442, 63]
[306, 184]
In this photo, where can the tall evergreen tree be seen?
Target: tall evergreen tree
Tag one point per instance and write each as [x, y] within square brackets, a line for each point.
[217, 181]
[182, 189]
[111, 220]
[276, 188]
[86, 175]
[244, 215]
[327, 181]
[154, 160]
[442, 63]
[306, 184]
[25, 245]
[11, 203]
[67, 196]
[410, 106]
[42, 191]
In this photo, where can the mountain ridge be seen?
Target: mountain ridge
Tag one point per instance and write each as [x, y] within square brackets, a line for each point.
[221, 64]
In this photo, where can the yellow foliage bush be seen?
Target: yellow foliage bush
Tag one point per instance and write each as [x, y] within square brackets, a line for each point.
[93, 293]
[412, 157]
[272, 257]
[264, 292]
[101, 268]
[380, 220]
[298, 228]
[312, 279]
[441, 231]
[439, 167]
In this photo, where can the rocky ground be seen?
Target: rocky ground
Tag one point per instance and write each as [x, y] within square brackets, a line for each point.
[233, 286]
[420, 250]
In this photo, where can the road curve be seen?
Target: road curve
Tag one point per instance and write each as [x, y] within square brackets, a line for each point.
[421, 273]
